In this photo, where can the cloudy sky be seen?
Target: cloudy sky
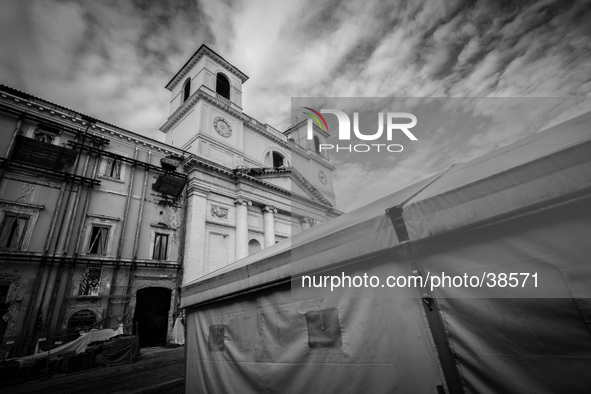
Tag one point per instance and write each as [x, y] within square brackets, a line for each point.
[111, 60]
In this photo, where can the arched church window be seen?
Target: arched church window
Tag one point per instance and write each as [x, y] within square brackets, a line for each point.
[222, 86]
[278, 159]
[186, 89]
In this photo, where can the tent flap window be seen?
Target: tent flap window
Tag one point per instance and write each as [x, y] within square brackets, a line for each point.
[216, 338]
[98, 240]
[323, 328]
[13, 231]
[160, 246]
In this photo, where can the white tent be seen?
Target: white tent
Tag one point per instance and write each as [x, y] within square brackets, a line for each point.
[525, 208]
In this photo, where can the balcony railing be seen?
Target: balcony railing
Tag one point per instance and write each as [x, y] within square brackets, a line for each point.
[82, 287]
[42, 154]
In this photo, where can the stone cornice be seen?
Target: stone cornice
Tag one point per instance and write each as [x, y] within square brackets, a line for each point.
[290, 146]
[204, 50]
[191, 102]
[242, 201]
[293, 196]
[247, 122]
[314, 126]
[294, 175]
[241, 176]
[308, 186]
[42, 110]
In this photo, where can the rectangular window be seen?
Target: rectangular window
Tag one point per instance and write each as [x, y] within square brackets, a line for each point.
[160, 246]
[13, 231]
[113, 168]
[90, 285]
[98, 240]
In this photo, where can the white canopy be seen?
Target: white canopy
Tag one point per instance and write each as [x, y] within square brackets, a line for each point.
[522, 208]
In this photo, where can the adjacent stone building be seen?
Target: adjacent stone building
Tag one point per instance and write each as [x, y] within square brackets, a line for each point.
[99, 226]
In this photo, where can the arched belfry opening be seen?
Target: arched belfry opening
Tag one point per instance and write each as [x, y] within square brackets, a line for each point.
[186, 89]
[222, 86]
[317, 144]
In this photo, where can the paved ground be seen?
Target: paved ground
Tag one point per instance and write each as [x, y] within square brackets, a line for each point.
[159, 370]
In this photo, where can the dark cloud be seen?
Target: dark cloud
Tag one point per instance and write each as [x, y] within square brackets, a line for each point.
[111, 59]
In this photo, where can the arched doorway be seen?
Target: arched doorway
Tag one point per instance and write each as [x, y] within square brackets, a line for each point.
[151, 315]
[82, 320]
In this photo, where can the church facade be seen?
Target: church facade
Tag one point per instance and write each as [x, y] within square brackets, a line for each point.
[100, 226]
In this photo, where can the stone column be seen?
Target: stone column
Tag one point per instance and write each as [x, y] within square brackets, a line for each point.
[306, 223]
[241, 227]
[269, 225]
[194, 254]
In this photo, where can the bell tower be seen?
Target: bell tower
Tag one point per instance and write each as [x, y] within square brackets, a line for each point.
[205, 116]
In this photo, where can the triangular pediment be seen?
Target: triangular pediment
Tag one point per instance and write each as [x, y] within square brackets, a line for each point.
[290, 179]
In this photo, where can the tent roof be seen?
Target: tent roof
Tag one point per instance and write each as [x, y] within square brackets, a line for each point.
[554, 163]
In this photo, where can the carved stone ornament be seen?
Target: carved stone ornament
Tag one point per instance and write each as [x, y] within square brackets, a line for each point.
[219, 212]
[270, 209]
[322, 177]
[222, 126]
[307, 220]
[242, 201]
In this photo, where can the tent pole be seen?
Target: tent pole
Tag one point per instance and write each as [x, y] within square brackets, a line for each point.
[434, 320]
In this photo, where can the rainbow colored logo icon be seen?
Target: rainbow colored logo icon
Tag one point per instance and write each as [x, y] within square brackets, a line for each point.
[315, 116]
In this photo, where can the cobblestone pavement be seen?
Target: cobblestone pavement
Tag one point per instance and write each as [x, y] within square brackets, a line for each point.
[159, 370]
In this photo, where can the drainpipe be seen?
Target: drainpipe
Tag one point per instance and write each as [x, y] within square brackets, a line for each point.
[140, 214]
[34, 301]
[79, 238]
[123, 228]
[16, 132]
[179, 272]
[52, 280]
[136, 241]
[67, 241]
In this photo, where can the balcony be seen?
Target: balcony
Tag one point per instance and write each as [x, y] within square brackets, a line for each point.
[92, 291]
[42, 154]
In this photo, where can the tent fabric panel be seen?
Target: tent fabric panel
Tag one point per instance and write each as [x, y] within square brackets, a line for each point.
[549, 178]
[519, 345]
[385, 342]
[578, 279]
[528, 344]
[529, 149]
[553, 242]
